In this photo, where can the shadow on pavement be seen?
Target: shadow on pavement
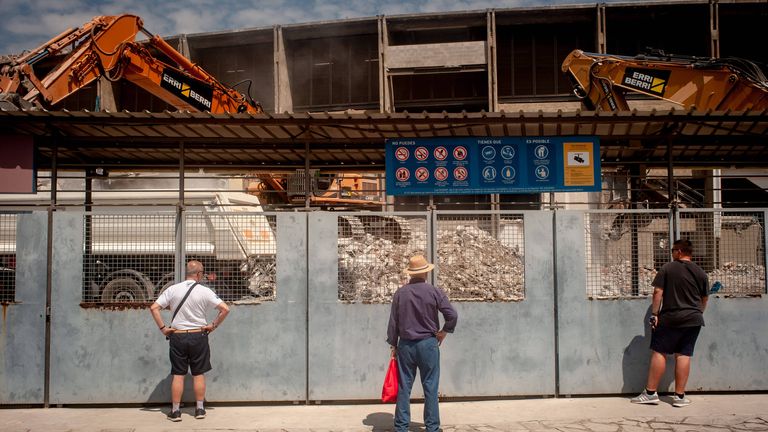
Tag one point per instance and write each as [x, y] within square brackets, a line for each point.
[384, 422]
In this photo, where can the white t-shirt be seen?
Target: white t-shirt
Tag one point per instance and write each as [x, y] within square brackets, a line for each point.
[194, 311]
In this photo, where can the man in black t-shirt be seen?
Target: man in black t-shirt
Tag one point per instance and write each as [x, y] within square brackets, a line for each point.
[680, 296]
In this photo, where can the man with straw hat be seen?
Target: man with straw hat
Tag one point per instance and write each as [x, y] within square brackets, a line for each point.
[414, 335]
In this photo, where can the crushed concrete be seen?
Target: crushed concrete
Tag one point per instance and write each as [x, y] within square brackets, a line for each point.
[471, 266]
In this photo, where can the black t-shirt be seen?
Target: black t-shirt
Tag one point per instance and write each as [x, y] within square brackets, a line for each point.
[684, 284]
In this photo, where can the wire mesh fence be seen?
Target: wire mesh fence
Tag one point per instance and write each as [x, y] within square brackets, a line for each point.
[730, 247]
[481, 257]
[238, 251]
[127, 258]
[623, 251]
[373, 251]
[7, 257]
[131, 258]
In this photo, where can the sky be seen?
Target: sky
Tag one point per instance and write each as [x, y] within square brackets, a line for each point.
[25, 24]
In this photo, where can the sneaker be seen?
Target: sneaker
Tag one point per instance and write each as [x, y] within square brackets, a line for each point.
[175, 416]
[645, 398]
[200, 413]
[680, 402]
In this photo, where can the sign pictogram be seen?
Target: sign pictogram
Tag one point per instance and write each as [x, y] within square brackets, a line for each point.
[402, 153]
[508, 172]
[421, 153]
[402, 174]
[508, 152]
[488, 152]
[489, 173]
[542, 172]
[422, 174]
[441, 153]
[541, 152]
[441, 173]
[460, 173]
[460, 153]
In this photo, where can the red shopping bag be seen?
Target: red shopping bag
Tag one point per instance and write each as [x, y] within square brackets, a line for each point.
[389, 391]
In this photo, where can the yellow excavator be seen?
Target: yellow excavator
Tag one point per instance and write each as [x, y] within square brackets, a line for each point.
[602, 81]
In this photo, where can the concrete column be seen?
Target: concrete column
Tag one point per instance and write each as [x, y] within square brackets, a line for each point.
[283, 98]
[106, 95]
[491, 64]
[386, 104]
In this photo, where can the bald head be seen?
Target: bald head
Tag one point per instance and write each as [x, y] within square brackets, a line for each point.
[194, 269]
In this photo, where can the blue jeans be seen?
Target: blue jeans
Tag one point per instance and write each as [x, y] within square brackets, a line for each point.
[425, 355]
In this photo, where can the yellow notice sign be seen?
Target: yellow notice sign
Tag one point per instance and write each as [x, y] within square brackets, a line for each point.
[579, 164]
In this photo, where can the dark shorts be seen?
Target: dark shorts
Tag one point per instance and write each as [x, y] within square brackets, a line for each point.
[675, 340]
[190, 351]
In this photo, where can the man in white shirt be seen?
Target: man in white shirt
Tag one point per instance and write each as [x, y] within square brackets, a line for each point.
[188, 333]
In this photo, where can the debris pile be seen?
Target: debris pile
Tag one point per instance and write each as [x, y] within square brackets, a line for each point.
[371, 270]
[472, 266]
[739, 279]
[616, 281]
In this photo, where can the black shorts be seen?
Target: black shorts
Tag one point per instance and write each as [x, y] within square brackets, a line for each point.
[675, 340]
[190, 351]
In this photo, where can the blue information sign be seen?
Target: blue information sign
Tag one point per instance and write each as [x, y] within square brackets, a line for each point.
[482, 165]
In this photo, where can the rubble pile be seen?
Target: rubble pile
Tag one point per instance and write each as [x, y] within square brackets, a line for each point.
[739, 279]
[616, 281]
[371, 270]
[474, 266]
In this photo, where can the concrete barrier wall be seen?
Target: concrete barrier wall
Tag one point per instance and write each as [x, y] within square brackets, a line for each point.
[22, 333]
[604, 344]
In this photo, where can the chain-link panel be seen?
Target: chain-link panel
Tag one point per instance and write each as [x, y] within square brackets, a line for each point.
[730, 247]
[481, 257]
[373, 251]
[238, 251]
[127, 258]
[7, 258]
[623, 251]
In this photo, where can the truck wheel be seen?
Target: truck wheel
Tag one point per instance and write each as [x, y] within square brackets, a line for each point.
[127, 286]
[167, 280]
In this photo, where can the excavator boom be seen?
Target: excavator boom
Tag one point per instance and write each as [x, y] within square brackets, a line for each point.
[106, 47]
[602, 81]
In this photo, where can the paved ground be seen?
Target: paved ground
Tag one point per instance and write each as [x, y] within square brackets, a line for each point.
[708, 413]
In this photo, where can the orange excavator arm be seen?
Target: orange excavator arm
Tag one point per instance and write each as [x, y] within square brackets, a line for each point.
[106, 47]
[602, 81]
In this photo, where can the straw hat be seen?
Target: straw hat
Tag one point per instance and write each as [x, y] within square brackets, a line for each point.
[418, 264]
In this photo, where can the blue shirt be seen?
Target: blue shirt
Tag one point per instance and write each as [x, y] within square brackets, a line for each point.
[414, 312]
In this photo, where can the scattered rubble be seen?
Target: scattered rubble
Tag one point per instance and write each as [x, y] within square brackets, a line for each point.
[615, 281]
[739, 279]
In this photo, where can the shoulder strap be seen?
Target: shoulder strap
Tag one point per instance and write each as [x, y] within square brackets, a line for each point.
[182, 302]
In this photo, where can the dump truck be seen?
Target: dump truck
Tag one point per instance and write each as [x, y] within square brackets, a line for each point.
[130, 257]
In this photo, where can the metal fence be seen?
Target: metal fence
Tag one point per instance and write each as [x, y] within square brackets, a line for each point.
[373, 251]
[131, 258]
[238, 251]
[7, 257]
[481, 257]
[625, 248]
[127, 258]
[730, 246]
[623, 251]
